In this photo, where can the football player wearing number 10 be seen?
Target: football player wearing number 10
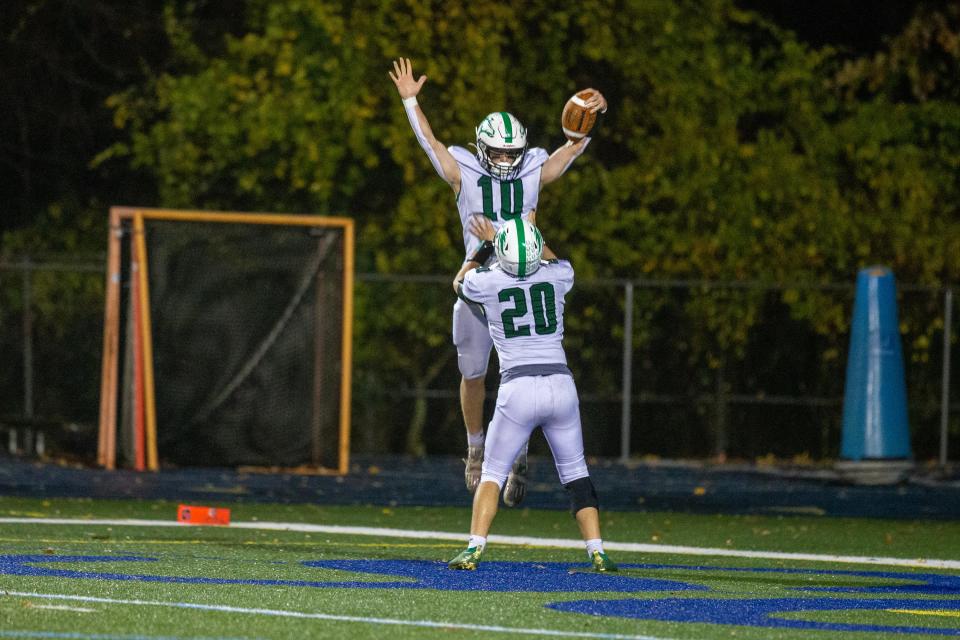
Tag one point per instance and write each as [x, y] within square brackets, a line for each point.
[524, 302]
[501, 181]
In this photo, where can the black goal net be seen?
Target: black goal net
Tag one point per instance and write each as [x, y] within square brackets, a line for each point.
[247, 338]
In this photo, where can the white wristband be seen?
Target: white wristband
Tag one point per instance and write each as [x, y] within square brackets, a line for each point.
[409, 102]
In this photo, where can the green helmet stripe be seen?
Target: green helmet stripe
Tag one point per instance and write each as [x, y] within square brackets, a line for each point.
[522, 242]
[508, 128]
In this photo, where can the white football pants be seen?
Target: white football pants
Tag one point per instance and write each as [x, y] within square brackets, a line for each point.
[472, 339]
[523, 404]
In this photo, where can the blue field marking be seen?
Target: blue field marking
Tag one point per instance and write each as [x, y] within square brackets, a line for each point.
[760, 612]
[562, 577]
[528, 577]
[20, 564]
[531, 577]
[763, 612]
[936, 584]
[23, 565]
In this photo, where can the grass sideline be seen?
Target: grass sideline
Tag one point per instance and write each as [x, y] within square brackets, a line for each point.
[262, 602]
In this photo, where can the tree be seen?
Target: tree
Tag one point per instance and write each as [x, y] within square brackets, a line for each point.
[729, 154]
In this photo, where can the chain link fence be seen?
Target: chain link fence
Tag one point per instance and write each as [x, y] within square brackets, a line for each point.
[672, 369]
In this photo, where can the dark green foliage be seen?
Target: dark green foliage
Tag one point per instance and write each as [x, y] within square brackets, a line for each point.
[731, 151]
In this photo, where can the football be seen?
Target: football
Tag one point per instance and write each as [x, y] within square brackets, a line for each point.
[576, 119]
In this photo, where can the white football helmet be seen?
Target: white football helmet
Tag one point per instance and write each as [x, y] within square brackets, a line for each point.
[519, 247]
[501, 145]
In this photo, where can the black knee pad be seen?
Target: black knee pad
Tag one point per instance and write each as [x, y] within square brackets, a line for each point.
[582, 494]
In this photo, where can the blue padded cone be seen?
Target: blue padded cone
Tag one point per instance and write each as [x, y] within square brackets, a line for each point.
[875, 399]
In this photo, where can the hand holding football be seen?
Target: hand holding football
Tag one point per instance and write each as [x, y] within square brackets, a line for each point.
[577, 119]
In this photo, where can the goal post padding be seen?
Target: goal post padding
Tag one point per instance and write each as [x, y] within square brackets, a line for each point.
[245, 328]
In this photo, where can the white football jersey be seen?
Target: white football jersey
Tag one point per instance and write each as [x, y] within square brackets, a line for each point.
[497, 200]
[524, 316]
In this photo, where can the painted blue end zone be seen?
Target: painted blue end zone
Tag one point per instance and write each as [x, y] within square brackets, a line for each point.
[526, 577]
[555, 577]
[760, 612]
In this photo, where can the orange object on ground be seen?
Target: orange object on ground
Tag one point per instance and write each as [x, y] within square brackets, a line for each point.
[193, 514]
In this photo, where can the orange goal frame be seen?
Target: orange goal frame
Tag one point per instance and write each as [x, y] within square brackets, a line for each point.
[107, 445]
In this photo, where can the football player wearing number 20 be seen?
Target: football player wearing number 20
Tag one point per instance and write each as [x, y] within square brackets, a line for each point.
[523, 298]
[500, 181]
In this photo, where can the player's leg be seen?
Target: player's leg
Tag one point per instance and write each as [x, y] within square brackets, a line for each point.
[586, 510]
[474, 345]
[485, 501]
[473, 342]
[516, 488]
[509, 430]
[473, 392]
[562, 429]
[513, 421]
[472, 396]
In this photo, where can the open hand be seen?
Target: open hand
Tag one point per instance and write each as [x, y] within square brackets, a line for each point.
[402, 76]
[481, 227]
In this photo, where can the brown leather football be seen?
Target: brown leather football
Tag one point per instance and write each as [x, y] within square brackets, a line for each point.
[577, 120]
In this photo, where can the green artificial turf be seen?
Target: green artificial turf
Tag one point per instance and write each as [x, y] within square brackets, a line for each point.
[247, 554]
[789, 533]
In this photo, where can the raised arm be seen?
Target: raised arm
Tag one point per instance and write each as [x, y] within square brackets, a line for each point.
[408, 88]
[560, 160]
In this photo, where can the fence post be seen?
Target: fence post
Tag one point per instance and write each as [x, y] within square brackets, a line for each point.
[28, 352]
[945, 377]
[627, 372]
[27, 338]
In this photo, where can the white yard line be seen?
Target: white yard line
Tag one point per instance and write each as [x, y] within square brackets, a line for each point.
[557, 543]
[434, 624]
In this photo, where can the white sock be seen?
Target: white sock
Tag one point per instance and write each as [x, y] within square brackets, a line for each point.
[594, 544]
[476, 439]
[477, 542]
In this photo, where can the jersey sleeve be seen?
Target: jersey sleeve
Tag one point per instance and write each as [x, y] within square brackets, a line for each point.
[464, 158]
[564, 274]
[533, 160]
[472, 290]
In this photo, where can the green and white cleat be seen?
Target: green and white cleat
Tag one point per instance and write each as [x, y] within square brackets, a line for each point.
[602, 563]
[474, 465]
[467, 559]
